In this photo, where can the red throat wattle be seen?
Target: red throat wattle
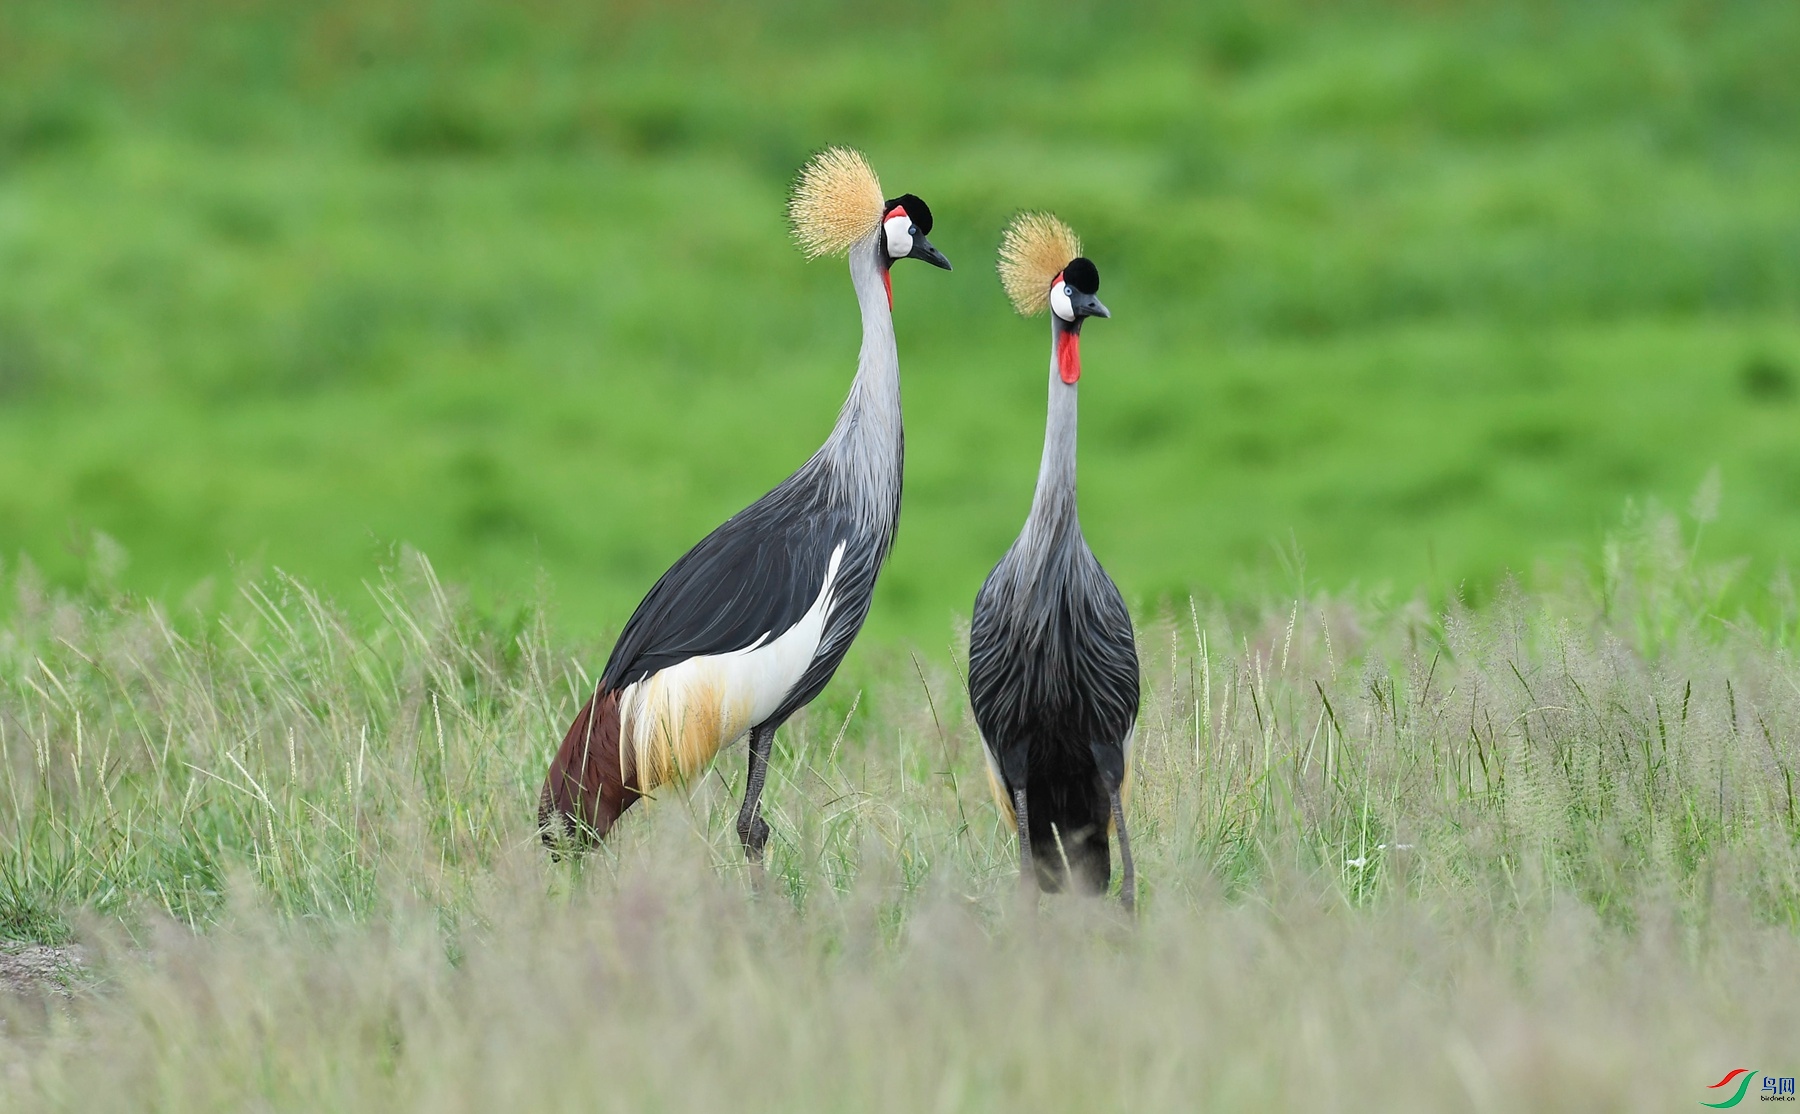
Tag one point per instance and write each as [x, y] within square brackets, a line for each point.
[887, 279]
[1068, 356]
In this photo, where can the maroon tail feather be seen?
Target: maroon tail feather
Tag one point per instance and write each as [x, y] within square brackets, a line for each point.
[585, 792]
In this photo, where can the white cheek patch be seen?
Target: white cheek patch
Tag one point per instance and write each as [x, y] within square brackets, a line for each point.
[899, 235]
[1059, 301]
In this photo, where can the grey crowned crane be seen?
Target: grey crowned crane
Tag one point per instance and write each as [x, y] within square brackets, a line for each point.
[1053, 669]
[749, 625]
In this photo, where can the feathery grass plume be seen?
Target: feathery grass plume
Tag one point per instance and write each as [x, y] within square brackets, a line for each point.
[1035, 248]
[836, 201]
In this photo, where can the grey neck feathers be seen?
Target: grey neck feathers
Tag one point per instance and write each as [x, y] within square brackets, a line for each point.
[1053, 507]
[862, 457]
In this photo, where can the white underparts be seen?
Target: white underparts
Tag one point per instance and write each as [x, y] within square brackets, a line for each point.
[673, 721]
[899, 235]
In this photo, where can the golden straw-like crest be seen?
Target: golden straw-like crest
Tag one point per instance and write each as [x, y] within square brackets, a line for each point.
[836, 202]
[1035, 248]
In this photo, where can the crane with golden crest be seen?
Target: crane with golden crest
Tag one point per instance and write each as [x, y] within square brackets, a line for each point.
[1053, 667]
[749, 625]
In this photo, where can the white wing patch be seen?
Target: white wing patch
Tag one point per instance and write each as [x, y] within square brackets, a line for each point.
[673, 721]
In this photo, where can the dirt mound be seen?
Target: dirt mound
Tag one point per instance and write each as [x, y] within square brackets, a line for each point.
[34, 969]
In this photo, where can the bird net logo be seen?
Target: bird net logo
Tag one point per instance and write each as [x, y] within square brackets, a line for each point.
[1736, 1085]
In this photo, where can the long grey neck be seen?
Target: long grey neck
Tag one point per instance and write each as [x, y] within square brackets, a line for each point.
[864, 451]
[1053, 506]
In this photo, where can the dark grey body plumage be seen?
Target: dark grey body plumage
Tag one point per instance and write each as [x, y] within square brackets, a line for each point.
[1053, 673]
[1053, 678]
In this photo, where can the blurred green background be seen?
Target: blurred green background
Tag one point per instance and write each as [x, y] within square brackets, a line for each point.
[1422, 292]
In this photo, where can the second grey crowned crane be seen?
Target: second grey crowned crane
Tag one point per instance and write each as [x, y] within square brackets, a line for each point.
[748, 626]
[1053, 668]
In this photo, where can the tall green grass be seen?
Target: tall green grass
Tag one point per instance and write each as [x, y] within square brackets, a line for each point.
[1542, 853]
[670, 989]
[1616, 742]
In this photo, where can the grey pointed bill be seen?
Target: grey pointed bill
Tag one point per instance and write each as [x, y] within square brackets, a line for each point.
[922, 249]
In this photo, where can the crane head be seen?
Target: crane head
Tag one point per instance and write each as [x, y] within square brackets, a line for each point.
[1041, 266]
[905, 221]
[1073, 290]
[837, 203]
[1072, 301]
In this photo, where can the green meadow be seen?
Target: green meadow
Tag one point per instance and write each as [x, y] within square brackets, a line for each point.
[1406, 297]
[1541, 855]
[362, 364]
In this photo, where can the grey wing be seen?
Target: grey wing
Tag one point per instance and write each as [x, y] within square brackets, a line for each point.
[1107, 670]
[999, 681]
[754, 576]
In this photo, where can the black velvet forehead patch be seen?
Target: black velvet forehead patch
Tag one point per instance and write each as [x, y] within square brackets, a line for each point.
[915, 208]
[1081, 274]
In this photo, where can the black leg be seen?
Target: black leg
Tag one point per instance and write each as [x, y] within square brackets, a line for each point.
[1027, 879]
[752, 829]
[1127, 873]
